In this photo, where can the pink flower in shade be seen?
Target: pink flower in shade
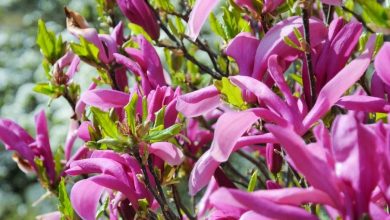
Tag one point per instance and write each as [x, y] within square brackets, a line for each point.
[162, 96]
[272, 109]
[27, 149]
[341, 42]
[144, 62]
[344, 169]
[252, 54]
[381, 63]
[203, 8]
[343, 164]
[138, 12]
[116, 176]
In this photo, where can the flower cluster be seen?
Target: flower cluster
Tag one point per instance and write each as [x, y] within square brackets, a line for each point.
[285, 118]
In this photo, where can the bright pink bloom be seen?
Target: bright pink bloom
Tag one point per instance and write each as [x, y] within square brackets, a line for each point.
[138, 12]
[144, 62]
[381, 63]
[346, 168]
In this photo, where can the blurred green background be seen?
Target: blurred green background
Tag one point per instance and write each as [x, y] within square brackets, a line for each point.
[20, 68]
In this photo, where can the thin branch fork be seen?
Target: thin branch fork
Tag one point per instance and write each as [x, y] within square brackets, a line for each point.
[306, 8]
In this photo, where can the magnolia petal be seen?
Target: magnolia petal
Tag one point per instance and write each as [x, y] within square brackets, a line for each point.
[83, 131]
[336, 87]
[232, 125]
[354, 149]
[243, 49]
[71, 138]
[202, 172]
[85, 196]
[113, 183]
[229, 128]
[154, 67]
[199, 102]
[14, 142]
[364, 103]
[168, 152]
[198, 16]
[271, 5]
[295, 196]
[333, 2]
[43, 143]
[381, 63]
[317, 172]
[273, 42]
[277, 74]
[105, 98]
[262, 206]
[98, 165]
[265, 95]
[17, 130]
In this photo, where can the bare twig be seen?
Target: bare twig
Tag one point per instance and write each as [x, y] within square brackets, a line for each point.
[306, 7]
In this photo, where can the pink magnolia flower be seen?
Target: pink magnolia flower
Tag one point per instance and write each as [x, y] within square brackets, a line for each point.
[272, 109]
[203, 8]
[252, 54]
[381, 62]
[144, 62]
[162, 96]
[343, 164]
[156, 99]
[138, 12]
[28, 149]
[116, 176]
[341, 42]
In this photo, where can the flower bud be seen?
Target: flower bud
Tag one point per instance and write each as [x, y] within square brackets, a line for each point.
[138, 12]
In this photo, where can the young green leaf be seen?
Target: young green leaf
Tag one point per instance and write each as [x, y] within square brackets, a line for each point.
[107, 126]
[64, 206]
[253, 182]
[231, 93]
[163, 135]
[160, 117]
[86, 50]
[130, 110]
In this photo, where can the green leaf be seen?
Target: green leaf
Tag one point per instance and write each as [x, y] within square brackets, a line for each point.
[138, 30]
[46, 41]
[130, 110]
[180, 26]
[231, 93]
[216, 26]
[42, 174]
[64, 206]
[107, 126]
[291, 43]
[163, 135]
[86, 50]
[144, 109]
[373, 12]
[165, 5]
[253, 182]
[51, 47]
[48, 89]
[160, 115]
[297, 78]
[58, 156]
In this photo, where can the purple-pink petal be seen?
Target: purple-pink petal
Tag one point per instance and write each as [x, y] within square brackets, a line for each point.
[105, 98]
[167, 152]
[199, 102]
